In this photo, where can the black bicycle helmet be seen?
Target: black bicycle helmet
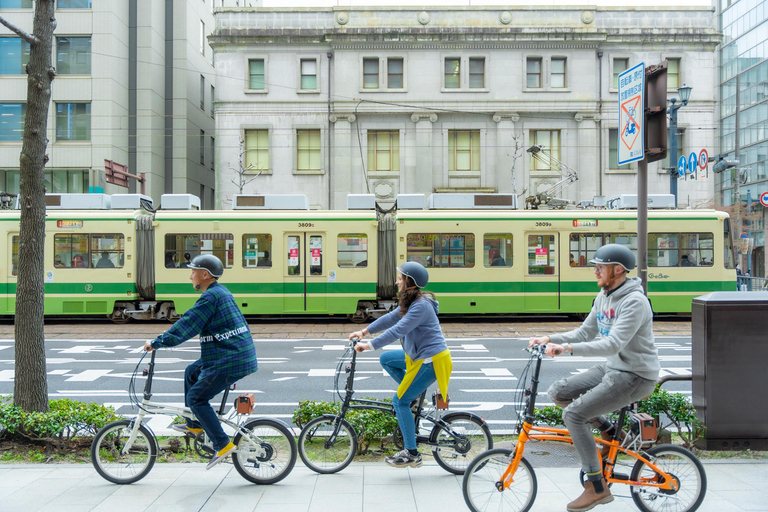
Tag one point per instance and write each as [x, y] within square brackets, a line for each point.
[415, 271]
[208, 262]
[614, 254]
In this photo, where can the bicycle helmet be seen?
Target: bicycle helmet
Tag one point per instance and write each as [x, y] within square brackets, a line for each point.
[208, 262]
[415, 271]
[614, 254]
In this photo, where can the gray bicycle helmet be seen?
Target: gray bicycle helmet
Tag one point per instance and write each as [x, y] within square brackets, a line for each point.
[208, 262]
[415, 271]
[614, 254]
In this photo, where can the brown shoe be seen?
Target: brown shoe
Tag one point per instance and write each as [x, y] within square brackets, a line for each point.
[604, 448]
[590, 497]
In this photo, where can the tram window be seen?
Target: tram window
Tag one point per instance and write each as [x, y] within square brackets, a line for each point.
[456, 250]
[257, 251]
[497, 249]
[178, 246]
[541, 254]
[15, 255]
[107, 251]
[582, 246]
[680, 249]
[727, 245]
[293, 257]
[352, 250]
[315, 255]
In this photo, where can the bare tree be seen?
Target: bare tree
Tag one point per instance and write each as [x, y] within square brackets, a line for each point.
[243, 173]
[30, 387]
[517, 153]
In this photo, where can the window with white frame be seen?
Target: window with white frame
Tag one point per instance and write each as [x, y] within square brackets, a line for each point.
[383, 150]
[256, 76]
[620, 65]
[202, 37]
[613, 150]
[256, 150]
[452, 72]
[308, 74]
[395, 73]
[533, 72]
[73, 55]
[550, 140]
[308, 150]
[464, 150]
[371, 73]
[557, 73]
[73, 121]
[477, 72]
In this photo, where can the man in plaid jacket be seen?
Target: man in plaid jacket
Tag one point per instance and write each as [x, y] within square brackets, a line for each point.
[227, 351]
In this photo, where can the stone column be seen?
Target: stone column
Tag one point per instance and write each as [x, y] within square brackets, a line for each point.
[587, 162]
[501, 177]
[425, 174]
[345, 176]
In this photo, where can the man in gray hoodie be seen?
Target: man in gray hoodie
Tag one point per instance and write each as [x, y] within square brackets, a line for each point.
[620, 328]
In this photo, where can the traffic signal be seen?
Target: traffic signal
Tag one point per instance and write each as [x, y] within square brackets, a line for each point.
[656, 112]
[724, 165]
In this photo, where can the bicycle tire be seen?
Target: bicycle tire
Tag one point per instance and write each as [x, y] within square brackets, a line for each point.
[317, 455]
[455, 454]
[270, 461]
[685, 467]
[479, 483]
[123, 468]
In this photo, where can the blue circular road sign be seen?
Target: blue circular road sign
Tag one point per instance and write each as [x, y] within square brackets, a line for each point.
[682, 166]
[693, 162]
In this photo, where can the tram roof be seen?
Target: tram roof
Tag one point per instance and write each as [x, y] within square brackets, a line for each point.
[522, 215]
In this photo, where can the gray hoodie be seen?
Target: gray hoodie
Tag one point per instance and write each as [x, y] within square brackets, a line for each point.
[419, 328]
[622, 322]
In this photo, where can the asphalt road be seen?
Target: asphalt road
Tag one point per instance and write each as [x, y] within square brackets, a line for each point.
[485, 378]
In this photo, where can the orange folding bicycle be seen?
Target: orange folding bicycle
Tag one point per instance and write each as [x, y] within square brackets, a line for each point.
[665, 477]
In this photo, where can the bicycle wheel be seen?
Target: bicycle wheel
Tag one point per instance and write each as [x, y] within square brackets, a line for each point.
[269, 457]
[319, 453]
[482, 475]
[684, 466]
[113, 462]
[454, 452]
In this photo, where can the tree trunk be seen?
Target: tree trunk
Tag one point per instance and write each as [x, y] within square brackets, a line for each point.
[30, 387]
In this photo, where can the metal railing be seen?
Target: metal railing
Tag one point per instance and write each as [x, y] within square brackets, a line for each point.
[752, 284]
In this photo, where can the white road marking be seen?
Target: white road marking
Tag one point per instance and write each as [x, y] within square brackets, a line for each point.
[88, 375]
[6, 375]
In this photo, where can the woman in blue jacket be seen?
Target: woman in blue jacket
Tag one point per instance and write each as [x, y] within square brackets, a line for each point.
[426, 357]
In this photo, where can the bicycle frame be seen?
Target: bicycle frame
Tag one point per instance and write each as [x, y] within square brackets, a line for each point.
[530, 431]
[147, 406]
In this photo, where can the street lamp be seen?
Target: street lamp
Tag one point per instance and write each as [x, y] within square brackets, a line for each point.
[685, 95]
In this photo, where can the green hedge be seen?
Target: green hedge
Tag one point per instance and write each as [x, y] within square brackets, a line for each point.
[56, 428]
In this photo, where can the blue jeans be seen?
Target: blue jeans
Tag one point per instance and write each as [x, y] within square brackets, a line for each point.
[197, 394]
[393, 362]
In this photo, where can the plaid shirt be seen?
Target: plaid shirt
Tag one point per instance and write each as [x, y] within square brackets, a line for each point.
[225, 341]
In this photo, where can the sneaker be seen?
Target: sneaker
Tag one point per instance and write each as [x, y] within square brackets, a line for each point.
[404, 459]
[221, 455]
[180, 427]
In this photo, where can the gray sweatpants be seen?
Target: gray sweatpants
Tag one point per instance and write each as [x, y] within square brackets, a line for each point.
[585, 397]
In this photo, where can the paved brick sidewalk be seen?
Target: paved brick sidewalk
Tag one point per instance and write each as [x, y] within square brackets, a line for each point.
[334, 328]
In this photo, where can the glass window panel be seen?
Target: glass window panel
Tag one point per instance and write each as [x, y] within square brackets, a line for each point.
[179, 246]
[15, 4]
[75, 182]
[73, 121]
[107, 251]
[257, 150]
[619, 66]
[370, 73]
[452, 73]
[316, 255]
[541, 254]
[256, 73]
[308, 150]
[533, 73]
[308, 74]
[71, 251]
[673, 73]
[15, 255]
[12, 117]
[12, 182]
[257, 251]
[293, 255]
[73, 55]
[477, 72]
[613, 150]
[60, 182]
[558, 76]
[497, 250]
[449, 250]
[395, 73]
[74, 4]
[14, 55]
[352, 250]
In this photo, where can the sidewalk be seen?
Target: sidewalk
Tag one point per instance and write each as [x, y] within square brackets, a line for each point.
[733, 485]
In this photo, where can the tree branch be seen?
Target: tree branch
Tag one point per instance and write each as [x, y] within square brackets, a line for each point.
[31, 39]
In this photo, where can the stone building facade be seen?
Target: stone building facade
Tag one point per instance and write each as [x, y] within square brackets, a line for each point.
[380, 100]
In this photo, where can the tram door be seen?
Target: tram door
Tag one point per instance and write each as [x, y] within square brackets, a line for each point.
[304, 282]
[542, 276]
